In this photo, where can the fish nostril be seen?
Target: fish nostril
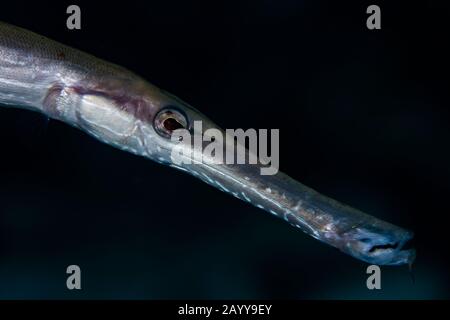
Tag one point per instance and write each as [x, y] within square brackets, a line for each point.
[383, 247]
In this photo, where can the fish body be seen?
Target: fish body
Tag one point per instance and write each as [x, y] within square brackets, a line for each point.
[122, 109]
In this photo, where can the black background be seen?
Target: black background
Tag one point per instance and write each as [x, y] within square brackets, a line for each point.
[363, 117]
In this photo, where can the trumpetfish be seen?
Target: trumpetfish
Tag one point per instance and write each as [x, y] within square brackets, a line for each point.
[119, 108]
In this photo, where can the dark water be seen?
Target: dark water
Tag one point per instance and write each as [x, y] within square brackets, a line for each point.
[363, 117]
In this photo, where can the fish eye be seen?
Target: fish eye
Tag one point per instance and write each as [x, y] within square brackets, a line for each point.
[168, 120]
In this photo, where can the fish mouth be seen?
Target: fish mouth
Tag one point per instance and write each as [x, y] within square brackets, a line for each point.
[387, 246]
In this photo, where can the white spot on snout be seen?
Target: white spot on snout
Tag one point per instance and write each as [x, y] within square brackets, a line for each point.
[298, 205]
[221, 186]
[208, 178]
[245, 197]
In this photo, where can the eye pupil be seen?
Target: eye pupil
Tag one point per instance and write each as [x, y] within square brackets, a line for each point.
[168, 120]
[172, 124]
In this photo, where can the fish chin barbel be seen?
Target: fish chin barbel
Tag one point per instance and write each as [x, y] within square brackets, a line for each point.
[123, 110]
